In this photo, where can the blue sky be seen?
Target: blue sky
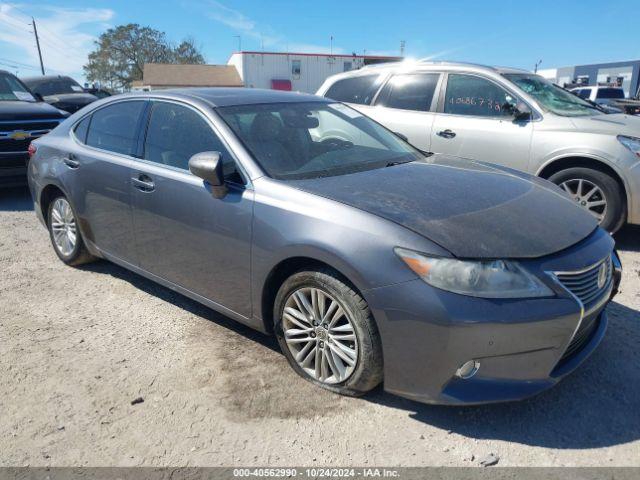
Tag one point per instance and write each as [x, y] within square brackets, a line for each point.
[501, 33]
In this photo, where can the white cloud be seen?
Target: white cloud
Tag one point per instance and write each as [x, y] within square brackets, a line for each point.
[64, 40]
[265, 35]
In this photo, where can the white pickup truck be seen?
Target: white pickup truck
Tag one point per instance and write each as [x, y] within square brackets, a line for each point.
[609, 96]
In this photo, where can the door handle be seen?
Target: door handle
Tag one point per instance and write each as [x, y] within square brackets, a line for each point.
[143, 183]
[446, 133]
[71, 162]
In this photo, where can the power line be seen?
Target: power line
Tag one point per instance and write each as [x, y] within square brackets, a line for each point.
[25, 65]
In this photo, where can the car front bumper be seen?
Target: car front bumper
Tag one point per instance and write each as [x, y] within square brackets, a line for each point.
[13, 169]
[428, 334]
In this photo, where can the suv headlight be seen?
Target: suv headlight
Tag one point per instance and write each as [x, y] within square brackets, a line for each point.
[632, 143]
[488, 279]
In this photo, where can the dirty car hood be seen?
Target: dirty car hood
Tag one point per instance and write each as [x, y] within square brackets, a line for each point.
[473, 210]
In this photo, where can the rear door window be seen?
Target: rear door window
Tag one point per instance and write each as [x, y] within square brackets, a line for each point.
[360, 89]
[409, 91]
[115, 127]
[81, 129]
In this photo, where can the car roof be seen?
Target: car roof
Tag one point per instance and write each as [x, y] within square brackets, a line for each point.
[225, 97]
[43, 78]
[417, 64]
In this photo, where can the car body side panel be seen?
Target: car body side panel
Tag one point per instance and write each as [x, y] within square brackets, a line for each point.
[291, 223]
[557, 139]
[186, 236]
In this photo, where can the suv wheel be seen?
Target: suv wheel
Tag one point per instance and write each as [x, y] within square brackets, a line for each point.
[327, 333]
[65, 236]
[596, 191]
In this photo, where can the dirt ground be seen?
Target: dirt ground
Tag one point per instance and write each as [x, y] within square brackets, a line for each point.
[79, 345]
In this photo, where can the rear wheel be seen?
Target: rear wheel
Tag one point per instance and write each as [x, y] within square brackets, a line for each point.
[596, 191]
[327, 333]
[64, 233]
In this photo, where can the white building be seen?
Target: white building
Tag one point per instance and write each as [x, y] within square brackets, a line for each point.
[624, 74]
[302, 72]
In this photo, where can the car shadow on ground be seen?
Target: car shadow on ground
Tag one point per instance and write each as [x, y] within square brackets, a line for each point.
[165, 294]
[628, 238]
[15, 199]
[595, 406]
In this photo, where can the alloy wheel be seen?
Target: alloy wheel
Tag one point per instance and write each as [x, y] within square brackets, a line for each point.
[588, 195]
[63, 227]
[320, 335]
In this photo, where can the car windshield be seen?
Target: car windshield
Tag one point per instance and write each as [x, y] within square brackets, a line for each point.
[55, 86]
[12, 89]
[311, 140]
[552, 97]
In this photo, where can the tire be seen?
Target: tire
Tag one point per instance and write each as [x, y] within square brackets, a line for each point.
[614, 216]
[78, 254]
[366, 372]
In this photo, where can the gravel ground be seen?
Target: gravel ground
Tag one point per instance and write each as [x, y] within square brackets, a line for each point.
[79, 345]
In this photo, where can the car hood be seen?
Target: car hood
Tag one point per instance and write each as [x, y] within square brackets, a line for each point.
[20, 110]
[612, 124]
[471, 209]
[72, 99]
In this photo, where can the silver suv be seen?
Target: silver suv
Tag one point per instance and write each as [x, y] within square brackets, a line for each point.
[509, 117]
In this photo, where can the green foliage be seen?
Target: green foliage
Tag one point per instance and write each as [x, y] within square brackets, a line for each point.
[121, 53]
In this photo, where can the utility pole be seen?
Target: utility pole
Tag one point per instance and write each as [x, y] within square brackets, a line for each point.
[402, 45]
[331, 45]
[535, 68]
[35, 32]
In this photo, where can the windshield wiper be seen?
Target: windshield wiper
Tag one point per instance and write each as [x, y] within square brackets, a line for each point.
[398, 162]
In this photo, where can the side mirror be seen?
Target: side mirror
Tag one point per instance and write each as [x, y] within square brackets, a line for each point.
[522, 112]
[208, 166]
[38, 97]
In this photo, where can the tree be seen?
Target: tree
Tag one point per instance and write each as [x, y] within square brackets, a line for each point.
[121, 53]
[187, 52]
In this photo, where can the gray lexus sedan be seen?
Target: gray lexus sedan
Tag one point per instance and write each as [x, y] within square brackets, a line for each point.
[372, 262]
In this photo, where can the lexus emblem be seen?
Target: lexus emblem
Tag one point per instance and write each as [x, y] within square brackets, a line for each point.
[602, 275]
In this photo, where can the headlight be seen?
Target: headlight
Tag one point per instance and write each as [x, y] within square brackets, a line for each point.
[632, 143]
[488, 279]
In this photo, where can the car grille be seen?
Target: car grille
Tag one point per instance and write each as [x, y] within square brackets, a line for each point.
[28, 125]
[583, 335]
[14, 145]
[584, 284]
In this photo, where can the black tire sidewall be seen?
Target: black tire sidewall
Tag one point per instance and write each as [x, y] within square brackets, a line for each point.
[368, 372]
[616, 213]
[78, 248]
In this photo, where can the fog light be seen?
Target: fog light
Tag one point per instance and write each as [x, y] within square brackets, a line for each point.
[468, 369]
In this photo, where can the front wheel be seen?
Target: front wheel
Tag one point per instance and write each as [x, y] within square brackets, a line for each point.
[596, 191]
[327, 333]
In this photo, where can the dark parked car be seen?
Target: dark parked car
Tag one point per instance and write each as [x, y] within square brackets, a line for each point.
[98, 92]
[60, 91]
[22, 119]
[452, 281]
